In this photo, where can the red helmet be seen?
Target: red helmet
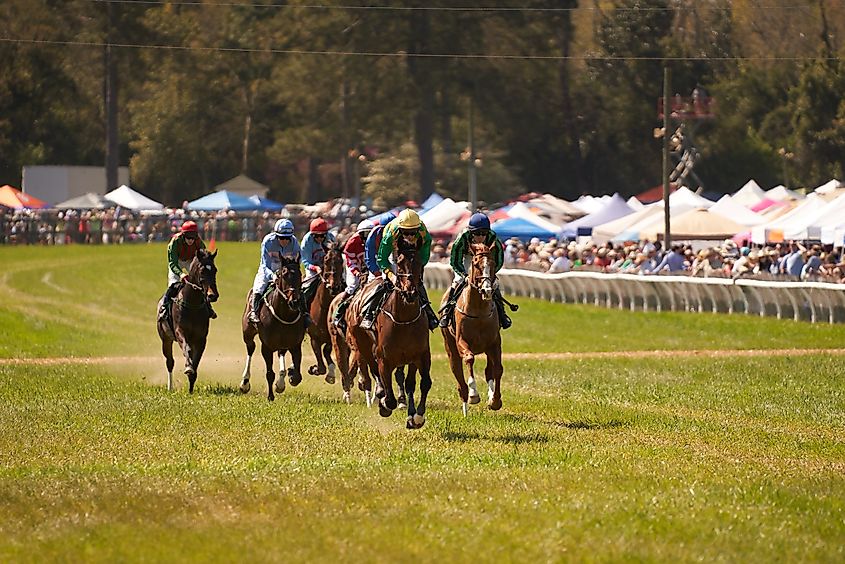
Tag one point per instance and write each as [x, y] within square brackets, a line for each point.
[318, 225]
[189, 227]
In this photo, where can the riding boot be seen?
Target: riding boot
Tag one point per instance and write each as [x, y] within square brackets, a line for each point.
[368, 315]
[448, 308]
[169, 294]
[504, 321]
[256, 307]
[338, 320]
[433, 322]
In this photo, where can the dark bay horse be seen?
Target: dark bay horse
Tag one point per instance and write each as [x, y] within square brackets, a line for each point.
[188, 318]
[330, 285]
[400, 337]
[281, 328]
[476, 331]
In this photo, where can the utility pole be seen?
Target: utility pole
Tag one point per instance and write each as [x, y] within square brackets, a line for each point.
[667, 233]
[110, 89]
[473, 188]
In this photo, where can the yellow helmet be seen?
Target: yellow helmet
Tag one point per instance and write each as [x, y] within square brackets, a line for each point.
[409, 219]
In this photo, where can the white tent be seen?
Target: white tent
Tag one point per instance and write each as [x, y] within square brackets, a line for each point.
[608, 231]
[727, 207]
[810, 225]
[635, 203]
[750, 194]
[780, 193]
[829, 186]
[795, 219]
[444, 215]
[613, 209]
[520, 209]
[556, 209]
[590, 204]
[685, 196]
[654, 220]
[126, 197]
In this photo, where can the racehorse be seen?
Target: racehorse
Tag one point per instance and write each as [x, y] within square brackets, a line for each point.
[476, 330]
[400, 337]
[188, 317]
[347, 347]
[281, 328]
[330, 285]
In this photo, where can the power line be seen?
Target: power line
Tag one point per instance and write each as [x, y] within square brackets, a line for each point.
[483, 9]
[400, 54]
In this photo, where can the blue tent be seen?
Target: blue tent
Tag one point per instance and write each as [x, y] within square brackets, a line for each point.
[223, 200]
[266, 203]
[431, 201]
[521, 229]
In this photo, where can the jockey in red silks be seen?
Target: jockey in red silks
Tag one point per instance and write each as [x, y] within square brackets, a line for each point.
[181, 251]
[353, 255]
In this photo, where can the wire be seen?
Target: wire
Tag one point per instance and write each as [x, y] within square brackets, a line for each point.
[401, 54]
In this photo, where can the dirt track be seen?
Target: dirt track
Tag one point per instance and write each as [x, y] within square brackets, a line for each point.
[51, 361]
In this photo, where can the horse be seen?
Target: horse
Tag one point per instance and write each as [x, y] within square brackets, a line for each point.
[400, 337]
[475, 330]
[188, 319]
[281, 328]
[330, 285]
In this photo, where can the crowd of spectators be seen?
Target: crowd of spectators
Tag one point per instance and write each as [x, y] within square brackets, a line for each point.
[787, 261]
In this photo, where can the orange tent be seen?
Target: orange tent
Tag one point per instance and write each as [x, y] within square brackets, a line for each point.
[14, 198]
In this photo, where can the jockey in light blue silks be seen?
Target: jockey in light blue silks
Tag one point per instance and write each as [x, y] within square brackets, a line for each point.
[280, 243]
[313, 251]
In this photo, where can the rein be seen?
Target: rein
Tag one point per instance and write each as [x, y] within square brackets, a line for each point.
[273, 311]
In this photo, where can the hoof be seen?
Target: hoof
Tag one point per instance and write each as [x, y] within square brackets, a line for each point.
[271, 397]
[474, 399]
[315, 370]
[279, 386]
[330, 379]
[384, 411]
[190, 371]
[245, 387]
[401, 402]
[494, 405]
[347, 398]
[331, 372]
[419, 420]
[409, 424]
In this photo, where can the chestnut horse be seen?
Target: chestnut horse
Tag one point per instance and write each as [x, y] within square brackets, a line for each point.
[187, 320]
[400, 337]
[476, 331]
[281, 328]
[330, 285]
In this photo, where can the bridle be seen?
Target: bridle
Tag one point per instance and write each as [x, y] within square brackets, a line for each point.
[207, 276]
[482, 280]
[330, 276]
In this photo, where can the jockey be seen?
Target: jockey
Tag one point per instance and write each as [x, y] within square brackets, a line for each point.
[353, 254]
[373, 241]
[281, 242]
[181, 251]
[478, 231]
[313, 250]
[410, 228]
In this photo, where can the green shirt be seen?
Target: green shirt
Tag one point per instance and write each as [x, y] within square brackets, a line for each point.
[177, 251]
[389, 235]
[460, 248]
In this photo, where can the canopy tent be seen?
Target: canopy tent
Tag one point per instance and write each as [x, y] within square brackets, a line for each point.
[780, 193]
[525, 211]
[89, 201]
[831, 215]
[15, 199]
[773, 231]
[608, 231]
[431, 201]
[266, 203]
[652, 220]
[520, 228]
[830, 186]
[654, 194]
[685, 196]
[699, 224]
[727, 207]
[223, 200]
[749, 195]
[613, 209]
[443, 216]
[243, 185]
[555, 209]
[500, 213]
[126, 197]
[635, 203]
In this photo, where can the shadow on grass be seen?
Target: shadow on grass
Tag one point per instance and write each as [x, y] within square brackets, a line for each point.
[593, 425]
[508, 438]
[583, 424]
[223, 390]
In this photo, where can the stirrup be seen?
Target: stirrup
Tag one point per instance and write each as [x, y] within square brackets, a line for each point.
[367, 323]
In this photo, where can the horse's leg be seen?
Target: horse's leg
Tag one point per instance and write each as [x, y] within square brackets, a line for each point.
[494, 377]
[250, 348]
[457, 367]
[425, 386]
[167, 351]
[294, 373]
[399, 376]
[469, 361]
[330, 366]
[319, 368]
[279, 384]
[409, 386]
[196, 357]
[387, 403]
[267, 353]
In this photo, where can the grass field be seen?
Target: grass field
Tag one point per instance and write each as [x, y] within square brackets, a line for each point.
[599, 458]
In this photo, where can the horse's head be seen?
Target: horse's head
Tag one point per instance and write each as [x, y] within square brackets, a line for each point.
[408, 272]
[203, 273]
[482, 274]
[288, 281]
[332, 273]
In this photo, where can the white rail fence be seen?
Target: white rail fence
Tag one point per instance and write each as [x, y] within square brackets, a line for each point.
[816, 302]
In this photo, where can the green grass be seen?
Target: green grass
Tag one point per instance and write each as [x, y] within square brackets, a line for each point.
[600, 459]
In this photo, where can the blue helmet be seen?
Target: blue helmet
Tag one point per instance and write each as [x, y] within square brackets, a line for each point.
[479, 221]
[284, 228]
[387, 218]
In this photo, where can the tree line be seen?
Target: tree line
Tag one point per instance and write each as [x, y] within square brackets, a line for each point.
[342, 98]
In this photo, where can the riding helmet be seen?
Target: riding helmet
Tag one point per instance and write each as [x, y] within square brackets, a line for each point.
[318, 226]
[284, 228]
[479, 221]
[386, 218]
[409, 219]
[365, 225]
[189, 227]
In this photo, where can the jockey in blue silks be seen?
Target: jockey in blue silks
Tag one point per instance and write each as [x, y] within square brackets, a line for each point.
[373, 241]
[281, 242]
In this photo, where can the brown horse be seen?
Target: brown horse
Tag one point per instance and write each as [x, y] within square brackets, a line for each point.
[476, 331]
[281, 328]
[400, 337]
[187, 321]
[330, 285]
